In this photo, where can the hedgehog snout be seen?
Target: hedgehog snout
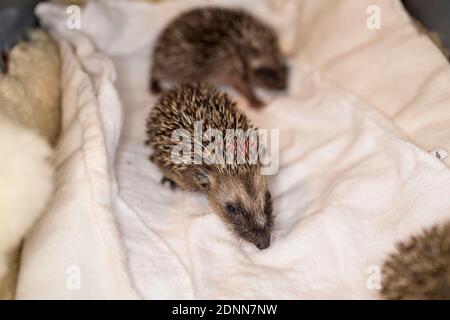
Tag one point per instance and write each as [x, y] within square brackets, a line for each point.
[263, 243]
[273, 78]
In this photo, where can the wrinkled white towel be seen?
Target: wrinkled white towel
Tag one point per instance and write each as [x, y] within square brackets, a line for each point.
[350, 184]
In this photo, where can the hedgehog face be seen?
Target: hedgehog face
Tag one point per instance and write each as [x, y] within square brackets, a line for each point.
[244, 202]
[268, 70]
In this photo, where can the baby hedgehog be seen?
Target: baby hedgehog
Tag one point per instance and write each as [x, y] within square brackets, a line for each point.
[421, 267]
[219, 46]
[238, 193]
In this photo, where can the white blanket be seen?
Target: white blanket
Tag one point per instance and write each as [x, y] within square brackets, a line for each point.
[349, 186]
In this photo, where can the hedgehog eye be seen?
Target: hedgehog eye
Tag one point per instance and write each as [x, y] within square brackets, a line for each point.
[231, 208]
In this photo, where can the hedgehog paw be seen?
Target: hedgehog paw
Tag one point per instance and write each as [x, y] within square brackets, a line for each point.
[155, 87]
[172, 184]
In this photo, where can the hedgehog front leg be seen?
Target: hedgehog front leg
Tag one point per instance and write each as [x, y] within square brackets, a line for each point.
[155, 78]
[172, 184]
[155, 87]
[246, 90]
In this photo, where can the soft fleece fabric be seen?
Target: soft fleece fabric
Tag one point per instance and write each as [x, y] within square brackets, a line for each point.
[349, 186]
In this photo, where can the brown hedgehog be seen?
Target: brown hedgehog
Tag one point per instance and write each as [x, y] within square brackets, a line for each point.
[421, 267]
[219, 46]
[237, 192]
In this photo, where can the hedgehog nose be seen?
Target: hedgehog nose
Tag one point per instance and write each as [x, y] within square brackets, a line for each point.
[263, 244]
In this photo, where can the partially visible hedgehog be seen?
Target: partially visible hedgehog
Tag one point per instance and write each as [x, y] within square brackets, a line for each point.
[421, 267]
[237, 192]
[219, 46]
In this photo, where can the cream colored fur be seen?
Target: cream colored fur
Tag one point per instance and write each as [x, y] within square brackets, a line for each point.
[29, 121]
[25, 186]
[29, 92]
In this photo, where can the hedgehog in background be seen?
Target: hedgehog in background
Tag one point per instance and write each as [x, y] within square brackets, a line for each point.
[220, 46]
[421, 267]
